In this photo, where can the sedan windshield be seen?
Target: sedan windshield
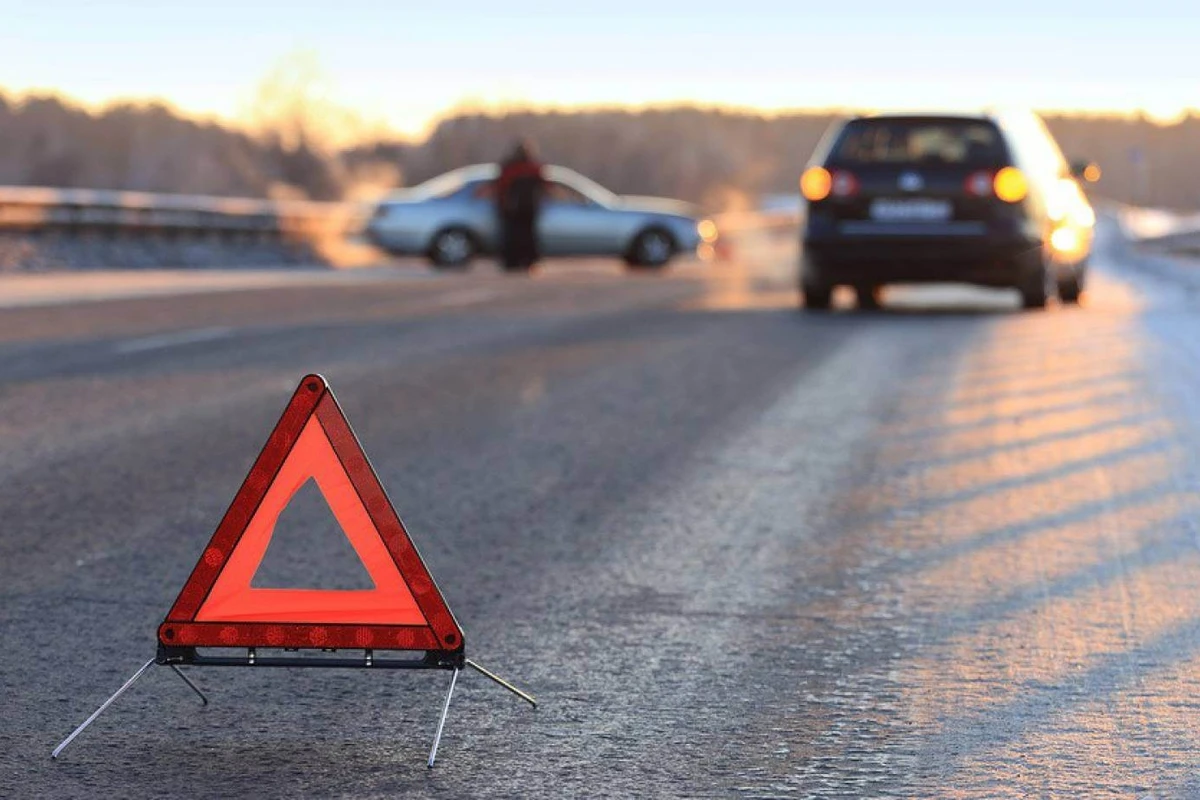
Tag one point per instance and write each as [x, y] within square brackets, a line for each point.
[588, 188]
[451, 182]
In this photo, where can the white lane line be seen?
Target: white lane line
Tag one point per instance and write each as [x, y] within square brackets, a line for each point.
[464, 297]
[172, 339]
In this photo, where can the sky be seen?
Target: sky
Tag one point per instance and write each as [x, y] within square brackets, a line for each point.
[406, 62]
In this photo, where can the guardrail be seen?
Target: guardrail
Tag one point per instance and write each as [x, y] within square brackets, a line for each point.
[1157, 227]
[37, 209]
[80, 228]
[1147, 225]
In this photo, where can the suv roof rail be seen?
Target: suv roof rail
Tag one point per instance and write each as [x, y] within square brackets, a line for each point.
[933, 114]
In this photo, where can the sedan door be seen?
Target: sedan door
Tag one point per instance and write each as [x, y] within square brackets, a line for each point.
[572, 224]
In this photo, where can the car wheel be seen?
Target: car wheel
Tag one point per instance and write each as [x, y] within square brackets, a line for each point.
[1038, 286]
[816, 297]
[867, 297]
[1070, 287]
[652, 249]
[452, 248]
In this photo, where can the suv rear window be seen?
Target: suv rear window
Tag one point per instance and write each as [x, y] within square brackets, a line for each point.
[919, 141]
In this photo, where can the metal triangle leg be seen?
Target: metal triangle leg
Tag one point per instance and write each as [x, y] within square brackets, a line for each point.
[492, 676]
[437, 737]
[101, 709]
[188, 681]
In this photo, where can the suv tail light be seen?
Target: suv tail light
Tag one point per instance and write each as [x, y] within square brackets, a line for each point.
[979, 184]
[817, 183]
[1010, 185]
[844, 184]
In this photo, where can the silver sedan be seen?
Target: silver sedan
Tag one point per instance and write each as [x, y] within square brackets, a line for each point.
[451, 218]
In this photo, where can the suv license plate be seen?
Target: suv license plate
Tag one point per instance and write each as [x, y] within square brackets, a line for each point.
[910, 210]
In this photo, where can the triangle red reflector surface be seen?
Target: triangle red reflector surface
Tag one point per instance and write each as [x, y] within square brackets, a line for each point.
[218, 607]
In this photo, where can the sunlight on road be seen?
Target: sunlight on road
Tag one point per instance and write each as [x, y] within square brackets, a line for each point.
[1033, 521]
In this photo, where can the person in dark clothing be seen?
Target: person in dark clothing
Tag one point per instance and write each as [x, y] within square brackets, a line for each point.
[519, 192]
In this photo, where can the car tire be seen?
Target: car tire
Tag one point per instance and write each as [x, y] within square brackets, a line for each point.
[1038, 285]
[452, 248]
[1070, 287]
[867, 297]
[651, 249]
[816, 296]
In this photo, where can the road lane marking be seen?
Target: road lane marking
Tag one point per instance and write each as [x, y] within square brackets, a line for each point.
[172, 339]
[464, 297]
[71, 288]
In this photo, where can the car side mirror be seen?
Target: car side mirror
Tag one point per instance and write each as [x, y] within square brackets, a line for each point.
[1084, 170]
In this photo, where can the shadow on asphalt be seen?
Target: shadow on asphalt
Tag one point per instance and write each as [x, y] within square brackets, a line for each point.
[1035, 480]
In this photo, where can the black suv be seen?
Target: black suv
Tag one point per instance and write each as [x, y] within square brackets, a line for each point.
[984, 199]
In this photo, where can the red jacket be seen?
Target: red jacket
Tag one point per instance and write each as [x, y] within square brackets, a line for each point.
[513, 171]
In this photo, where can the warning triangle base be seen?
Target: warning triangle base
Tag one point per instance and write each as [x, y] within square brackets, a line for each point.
[331, 657]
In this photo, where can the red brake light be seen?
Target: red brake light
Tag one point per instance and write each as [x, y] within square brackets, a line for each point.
[844, 184]
[980, 184]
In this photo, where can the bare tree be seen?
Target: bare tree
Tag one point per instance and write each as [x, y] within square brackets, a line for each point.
[300, 143]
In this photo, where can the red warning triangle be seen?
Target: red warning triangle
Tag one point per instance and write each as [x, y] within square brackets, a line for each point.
[218, 607]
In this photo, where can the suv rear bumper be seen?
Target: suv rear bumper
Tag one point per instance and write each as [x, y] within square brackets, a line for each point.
[981, 260]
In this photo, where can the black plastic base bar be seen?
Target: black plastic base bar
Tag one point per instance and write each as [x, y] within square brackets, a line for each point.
[170, 656]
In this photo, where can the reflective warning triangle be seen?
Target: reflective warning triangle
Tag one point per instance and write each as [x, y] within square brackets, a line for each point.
[218, 607]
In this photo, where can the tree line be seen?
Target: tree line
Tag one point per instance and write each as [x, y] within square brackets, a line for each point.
[716, 157]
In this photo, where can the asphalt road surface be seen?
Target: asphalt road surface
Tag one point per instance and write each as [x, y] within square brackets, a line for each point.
[948, 549]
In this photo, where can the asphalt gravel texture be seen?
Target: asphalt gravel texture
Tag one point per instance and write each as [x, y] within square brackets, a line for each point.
[946, 549]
